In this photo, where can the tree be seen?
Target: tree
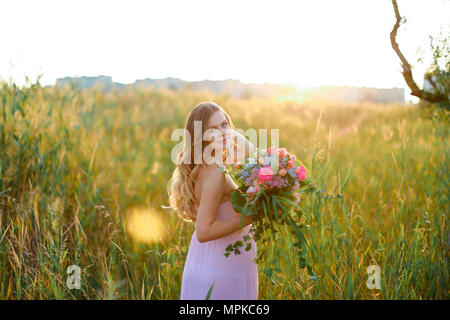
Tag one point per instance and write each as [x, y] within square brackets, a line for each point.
[434, 73]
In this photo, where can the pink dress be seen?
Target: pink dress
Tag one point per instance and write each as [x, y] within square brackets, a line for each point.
[234, 278]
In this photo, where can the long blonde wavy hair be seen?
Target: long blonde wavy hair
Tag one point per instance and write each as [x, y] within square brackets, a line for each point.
[181, 185]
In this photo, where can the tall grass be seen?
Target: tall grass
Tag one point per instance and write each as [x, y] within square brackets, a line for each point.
[74, 164]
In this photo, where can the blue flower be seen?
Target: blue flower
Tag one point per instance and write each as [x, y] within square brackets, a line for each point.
[292, 173]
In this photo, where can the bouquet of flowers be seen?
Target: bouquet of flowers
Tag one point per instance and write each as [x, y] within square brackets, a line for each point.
[270, 185]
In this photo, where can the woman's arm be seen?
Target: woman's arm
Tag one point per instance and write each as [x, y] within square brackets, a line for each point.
[207, 227]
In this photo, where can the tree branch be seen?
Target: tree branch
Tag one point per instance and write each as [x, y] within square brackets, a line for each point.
[407, 74]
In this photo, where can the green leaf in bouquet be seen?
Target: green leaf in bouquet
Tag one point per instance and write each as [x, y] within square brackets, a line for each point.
[290, 202]
[264, 208]
[246, 238]
[241, 220]
[238, 244]
[280, 204]
[248, 247]
[297, 230]
[284, 210]
[257, 197]
[274, 204]
[239, 204]
[245, 212]
[264, 193]
[237, 201]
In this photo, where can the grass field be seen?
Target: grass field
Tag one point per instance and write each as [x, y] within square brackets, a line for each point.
[83, 176]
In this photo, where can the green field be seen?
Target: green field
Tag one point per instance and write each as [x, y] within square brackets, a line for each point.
[74, 165]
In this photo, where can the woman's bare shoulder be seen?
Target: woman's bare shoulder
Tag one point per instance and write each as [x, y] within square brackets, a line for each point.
[211, 174]
[211, 177]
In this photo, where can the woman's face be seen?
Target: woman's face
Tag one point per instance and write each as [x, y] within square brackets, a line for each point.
[218, 130]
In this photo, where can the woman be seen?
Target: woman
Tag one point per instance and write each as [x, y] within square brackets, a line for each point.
[200, 192]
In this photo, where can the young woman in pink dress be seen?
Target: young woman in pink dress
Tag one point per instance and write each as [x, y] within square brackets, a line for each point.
[200, 192]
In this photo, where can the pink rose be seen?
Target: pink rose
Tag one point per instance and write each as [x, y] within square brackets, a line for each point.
[265, 174]
[301, 173]
[282, 152]
[282, 172]
[237, 165]
[270, 150]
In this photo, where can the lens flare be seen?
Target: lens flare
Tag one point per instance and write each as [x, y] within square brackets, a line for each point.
[146, 226]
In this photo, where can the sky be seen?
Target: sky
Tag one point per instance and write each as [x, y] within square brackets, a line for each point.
[304, 43]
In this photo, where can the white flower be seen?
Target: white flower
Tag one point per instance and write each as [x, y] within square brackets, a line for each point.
[251, 190]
